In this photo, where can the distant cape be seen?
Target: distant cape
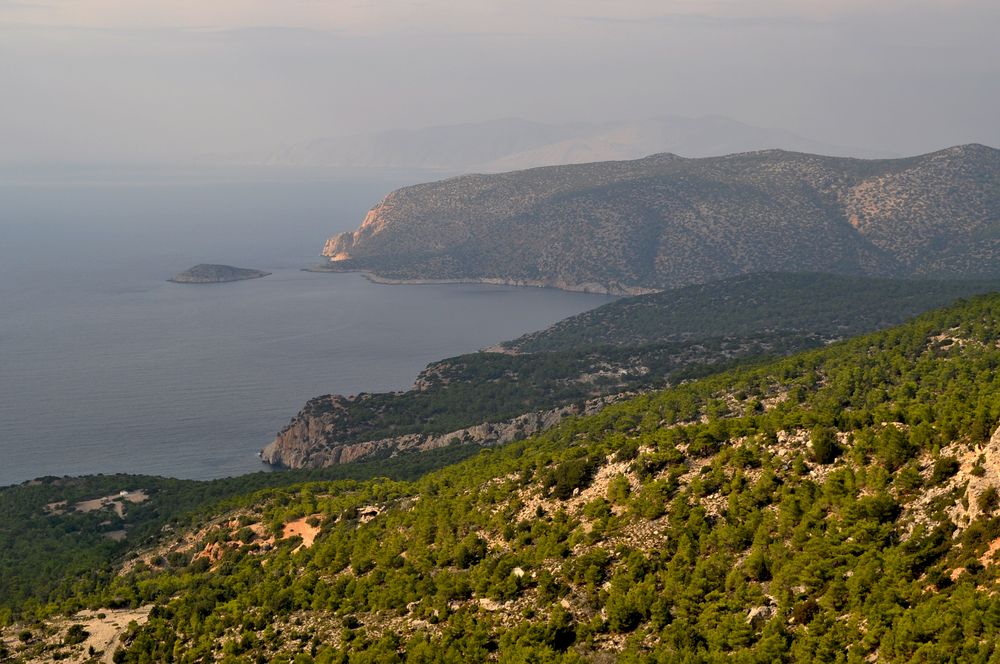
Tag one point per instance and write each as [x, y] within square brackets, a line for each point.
[666, 221]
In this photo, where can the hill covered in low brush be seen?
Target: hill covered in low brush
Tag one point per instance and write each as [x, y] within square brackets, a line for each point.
[826, 305]
[838, 505]
[665, 221]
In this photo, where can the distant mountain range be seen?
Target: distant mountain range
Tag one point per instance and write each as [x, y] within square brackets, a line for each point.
[511, 144]
[666, 221]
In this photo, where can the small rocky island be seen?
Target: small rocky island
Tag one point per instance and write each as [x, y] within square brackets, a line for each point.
[216, 274]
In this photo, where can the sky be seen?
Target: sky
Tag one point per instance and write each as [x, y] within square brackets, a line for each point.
[89, 81]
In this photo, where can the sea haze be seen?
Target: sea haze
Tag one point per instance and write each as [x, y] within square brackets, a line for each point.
[105, 367]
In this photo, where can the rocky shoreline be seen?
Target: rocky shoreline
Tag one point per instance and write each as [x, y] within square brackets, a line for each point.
[591, 288]
[304, 442]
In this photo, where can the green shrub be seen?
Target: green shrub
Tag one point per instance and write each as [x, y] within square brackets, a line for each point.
[824, 445]
[757, 566]
[704, 445]
[893, 447]
[987, 500]
[75, 634]
[628, 451]
[804, 612]
[619, 490]
[471, 550]
[944, 468]
[908, 480]
[572, 475]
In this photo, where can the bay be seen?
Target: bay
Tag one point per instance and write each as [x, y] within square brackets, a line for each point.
[106, 367]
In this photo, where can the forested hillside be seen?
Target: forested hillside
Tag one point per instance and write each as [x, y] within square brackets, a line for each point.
[59, 538]
[827, 305]
[838, 505]
[628, 346]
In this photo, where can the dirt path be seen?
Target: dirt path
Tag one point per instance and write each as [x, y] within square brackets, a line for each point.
[302, 528]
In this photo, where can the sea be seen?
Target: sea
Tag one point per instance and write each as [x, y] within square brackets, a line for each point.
[106, 367]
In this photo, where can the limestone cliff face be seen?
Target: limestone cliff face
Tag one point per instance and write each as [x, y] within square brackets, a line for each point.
[338, 247]
[986, 458]
[306, 441]
[665, 221]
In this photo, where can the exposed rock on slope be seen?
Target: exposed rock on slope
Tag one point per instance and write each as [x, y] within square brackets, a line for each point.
[666, 221]
[307, 443]
[207, 273]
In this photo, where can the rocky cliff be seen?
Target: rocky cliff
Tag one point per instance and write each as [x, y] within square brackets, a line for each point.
[666, 221]
[306, 442]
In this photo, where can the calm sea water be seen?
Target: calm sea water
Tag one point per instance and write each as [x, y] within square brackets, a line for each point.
[106, 367]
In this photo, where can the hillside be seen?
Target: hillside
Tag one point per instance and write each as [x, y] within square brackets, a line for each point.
[61, 535]
[585, 362]
[832, 306]
[666, 221]
[839, 505]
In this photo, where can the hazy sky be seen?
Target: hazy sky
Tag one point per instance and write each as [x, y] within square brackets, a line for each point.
[98, 80]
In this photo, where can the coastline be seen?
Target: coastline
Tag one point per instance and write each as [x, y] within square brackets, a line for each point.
[210, 373]
[593, 289]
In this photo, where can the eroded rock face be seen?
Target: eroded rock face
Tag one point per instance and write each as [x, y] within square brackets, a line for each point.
[307, 442]
[980, 471]
[338, 247]
[758, 616]
[665, 221]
